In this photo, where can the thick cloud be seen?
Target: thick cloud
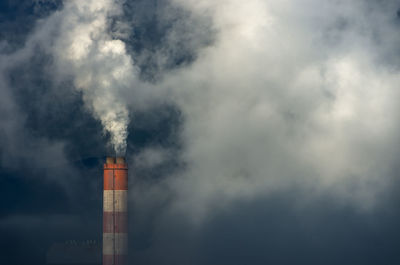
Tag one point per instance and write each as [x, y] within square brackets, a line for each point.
[289, 94]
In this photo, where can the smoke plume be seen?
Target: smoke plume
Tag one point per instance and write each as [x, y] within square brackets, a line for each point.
[98, 64]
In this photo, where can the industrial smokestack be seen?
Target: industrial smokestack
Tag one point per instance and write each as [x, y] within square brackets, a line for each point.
[115, 217]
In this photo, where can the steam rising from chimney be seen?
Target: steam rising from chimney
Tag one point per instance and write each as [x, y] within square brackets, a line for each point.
[99, 65]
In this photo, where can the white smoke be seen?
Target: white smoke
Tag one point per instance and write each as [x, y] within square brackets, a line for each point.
[98, 64]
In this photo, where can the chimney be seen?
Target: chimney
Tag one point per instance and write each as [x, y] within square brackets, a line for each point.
[115, 216]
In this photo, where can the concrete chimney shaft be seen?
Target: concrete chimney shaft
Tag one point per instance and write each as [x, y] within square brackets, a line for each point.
[115, 216]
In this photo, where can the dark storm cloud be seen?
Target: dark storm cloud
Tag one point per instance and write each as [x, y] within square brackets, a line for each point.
[275, 229]
[18, 19]
[162, 36]
[43, 188]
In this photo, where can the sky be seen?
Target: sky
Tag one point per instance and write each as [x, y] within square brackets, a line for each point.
[256, 132]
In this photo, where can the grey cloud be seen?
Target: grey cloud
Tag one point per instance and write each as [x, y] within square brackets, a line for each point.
[289, 94]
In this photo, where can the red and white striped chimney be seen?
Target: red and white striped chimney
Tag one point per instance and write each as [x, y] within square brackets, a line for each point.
[115, 216]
